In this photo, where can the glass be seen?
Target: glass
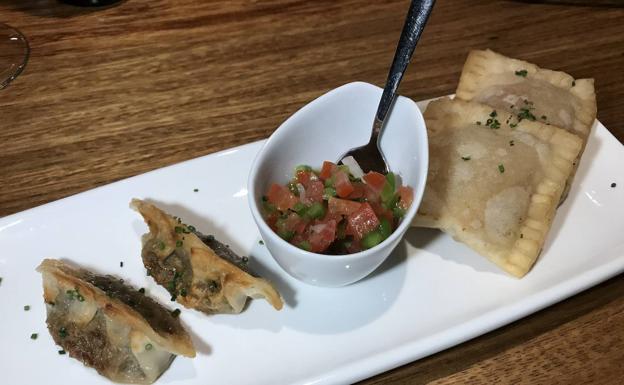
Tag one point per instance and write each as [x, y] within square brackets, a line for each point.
[14, 53]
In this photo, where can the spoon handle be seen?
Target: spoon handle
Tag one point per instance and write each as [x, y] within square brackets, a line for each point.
[417, 16]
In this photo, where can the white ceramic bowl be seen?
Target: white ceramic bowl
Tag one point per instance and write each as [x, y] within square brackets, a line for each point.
[323, 130]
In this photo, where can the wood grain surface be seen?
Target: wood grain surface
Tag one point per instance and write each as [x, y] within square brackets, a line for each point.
[111, 93]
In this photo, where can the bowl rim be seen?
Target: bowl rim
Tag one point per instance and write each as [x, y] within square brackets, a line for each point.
[403, 225]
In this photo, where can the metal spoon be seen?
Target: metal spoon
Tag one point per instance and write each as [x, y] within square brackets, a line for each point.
[370, 156]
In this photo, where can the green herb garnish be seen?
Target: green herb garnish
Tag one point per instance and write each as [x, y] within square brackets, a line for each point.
[493, 114]
[178, 243]
[121, 264]
[522, 73]
[525, 113]
[62, 332]
[511, 143]
[161, 245]
[34, 336]
[149, 347]
[61, 352]
[478, 122]
[195, 190]
[142, 290]
[501, 168]
[305, 245]
[178, 229]
[175, 313]
[261, 242]
[26, 307]
[75, 294]
[466, 157]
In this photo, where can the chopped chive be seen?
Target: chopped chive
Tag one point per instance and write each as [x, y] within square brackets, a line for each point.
[178, 243]
[493, 114]
[142, 290]
[121, 264]
[191, 228]
[261, 242]
[27, 307]
[511, 143]
[62, 332]
[466, 157]
[522, 73]
[613, 185]
[178, 229]
[175, 313]
[0, 280]
[161, 245]
[149, 347]
[478, 123]
[501, 168]
[544, 117]
[61, 352]
[195, 190]
[34, 336]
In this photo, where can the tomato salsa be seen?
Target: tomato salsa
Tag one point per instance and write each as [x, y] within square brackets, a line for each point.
[332, 212]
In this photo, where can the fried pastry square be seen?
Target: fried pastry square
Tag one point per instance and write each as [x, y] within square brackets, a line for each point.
[529, 93]
[491, 186]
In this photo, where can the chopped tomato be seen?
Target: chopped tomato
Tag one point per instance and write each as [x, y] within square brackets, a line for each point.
[304, 177]
[370, 194]
[342, 184]
[327, 170]
[375, 180]
[406, 196]
[281, 197]
[381, 211]
[321, 234]
[358, 190]
[331, 212]
[342, 206]
[295, 223]
[313, 192]
[362, 222]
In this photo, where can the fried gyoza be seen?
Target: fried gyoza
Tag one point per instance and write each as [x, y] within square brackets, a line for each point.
[198, 271]
[122, 333]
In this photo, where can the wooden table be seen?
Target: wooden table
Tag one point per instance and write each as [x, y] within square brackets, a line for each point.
[112, 93]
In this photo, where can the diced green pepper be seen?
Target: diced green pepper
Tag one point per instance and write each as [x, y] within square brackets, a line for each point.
[300, 208]
[372, 239]
[385, 227]
[390, 178]
[305, 245]
[292, 187]
[315, 211]
[329, 192]
[398, 212]
[285, 234]
[302, 167]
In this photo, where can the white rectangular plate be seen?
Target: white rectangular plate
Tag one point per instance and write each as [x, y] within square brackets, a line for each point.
[431, 294]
